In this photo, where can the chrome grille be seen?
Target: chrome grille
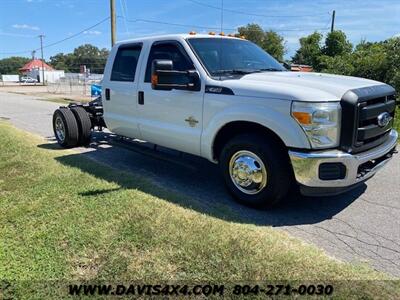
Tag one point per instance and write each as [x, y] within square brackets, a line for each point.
[361, 107]
[368, 129]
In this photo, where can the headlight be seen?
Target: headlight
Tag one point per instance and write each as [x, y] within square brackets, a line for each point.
[320, 121]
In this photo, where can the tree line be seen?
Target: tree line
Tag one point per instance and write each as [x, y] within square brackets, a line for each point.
[332, 53]
[90, 56]
[335, 54]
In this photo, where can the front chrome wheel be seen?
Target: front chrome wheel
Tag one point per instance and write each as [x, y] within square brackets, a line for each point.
[248, 172]
[60, 129]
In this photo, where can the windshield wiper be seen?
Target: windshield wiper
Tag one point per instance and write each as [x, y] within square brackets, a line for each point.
[269, 69]
[234, 72]
[244, 71]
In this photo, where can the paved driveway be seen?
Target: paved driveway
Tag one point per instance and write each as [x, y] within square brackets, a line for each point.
[362, 226]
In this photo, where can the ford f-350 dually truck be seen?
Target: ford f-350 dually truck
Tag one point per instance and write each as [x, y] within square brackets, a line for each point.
[227, 100]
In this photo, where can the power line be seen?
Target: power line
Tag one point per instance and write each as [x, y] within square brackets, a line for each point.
[77, 34]
[60, 41]
[218, 28]
[124, 12]
[253, 14]
[155, 22]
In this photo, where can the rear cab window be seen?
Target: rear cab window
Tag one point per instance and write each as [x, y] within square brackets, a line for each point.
[125, 63]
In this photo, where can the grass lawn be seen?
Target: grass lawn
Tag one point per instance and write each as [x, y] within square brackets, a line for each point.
[58, 222]
[397, 119]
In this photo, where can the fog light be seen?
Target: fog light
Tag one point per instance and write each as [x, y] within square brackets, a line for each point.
[332, 171]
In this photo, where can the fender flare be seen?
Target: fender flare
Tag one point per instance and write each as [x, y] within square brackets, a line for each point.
[285, 127]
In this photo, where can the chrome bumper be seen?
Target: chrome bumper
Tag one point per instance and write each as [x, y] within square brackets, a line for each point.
[306, 165]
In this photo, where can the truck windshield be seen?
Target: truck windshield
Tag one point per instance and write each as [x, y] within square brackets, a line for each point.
[223, 56]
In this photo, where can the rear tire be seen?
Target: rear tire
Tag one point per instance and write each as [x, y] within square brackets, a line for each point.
[84, 125]
[256, 170]
[65, 127]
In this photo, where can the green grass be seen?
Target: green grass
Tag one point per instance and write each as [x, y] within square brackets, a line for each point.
[64, 217]
[397, 119]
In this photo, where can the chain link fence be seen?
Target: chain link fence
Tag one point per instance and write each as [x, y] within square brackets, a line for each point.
[74, 84]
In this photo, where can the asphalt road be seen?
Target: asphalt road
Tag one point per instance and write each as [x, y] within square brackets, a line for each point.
[360, 226]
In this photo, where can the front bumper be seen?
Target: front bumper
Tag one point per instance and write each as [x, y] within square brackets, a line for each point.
[359, 167]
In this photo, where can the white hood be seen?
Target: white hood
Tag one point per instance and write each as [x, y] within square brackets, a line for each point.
[296, 85]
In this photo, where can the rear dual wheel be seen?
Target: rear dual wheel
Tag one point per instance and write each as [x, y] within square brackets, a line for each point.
[84, 125]
[72, 127]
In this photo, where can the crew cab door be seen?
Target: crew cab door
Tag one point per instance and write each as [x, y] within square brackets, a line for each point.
[170, 118]
[119, 91]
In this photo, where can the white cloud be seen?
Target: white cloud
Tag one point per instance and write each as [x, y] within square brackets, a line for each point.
[397, 35]
[92, 32]
[25, 26]
[16, 34]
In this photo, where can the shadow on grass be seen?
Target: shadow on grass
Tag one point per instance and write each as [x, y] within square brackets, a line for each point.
[191, 182]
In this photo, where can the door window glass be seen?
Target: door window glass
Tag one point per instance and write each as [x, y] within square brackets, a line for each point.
[125, 64]
[169, 51]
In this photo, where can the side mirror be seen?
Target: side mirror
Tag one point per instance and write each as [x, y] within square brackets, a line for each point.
[164, 77]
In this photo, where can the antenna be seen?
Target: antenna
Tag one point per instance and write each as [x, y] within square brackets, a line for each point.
[220, 45]
[222, 16]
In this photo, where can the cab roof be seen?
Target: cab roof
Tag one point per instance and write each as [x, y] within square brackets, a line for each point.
[174, 37]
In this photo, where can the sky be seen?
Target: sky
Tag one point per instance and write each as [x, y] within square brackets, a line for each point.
[22, 21]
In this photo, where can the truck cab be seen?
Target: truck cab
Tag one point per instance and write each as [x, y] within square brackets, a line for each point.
[269, 129]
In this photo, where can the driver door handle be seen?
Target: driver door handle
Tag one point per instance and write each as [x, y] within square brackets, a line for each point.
[141, 97]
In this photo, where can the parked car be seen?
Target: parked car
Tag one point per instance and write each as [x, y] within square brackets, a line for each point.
[225, 99]
[27, 79]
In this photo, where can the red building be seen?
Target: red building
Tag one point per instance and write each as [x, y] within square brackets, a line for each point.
[35, 64]
[34, 69]
[301, 68]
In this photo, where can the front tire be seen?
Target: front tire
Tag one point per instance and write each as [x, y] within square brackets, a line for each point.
[256, 171]
[65, 127]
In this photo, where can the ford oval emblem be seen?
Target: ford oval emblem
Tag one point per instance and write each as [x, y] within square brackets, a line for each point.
[384, 119]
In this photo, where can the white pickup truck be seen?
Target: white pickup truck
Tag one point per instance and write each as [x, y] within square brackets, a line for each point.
[225, 99]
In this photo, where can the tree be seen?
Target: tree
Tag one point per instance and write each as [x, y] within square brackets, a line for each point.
[336, 43]
[370, 61]
[12, 65]
[62, 61]
[341, 65]
[392, 47]
[270, 41]
[90, 56]
[274, 44]
[253, 33]
[309, 51]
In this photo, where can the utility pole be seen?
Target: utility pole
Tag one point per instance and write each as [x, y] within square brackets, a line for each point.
[333, 21]
[112, 11]
[41, 50]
